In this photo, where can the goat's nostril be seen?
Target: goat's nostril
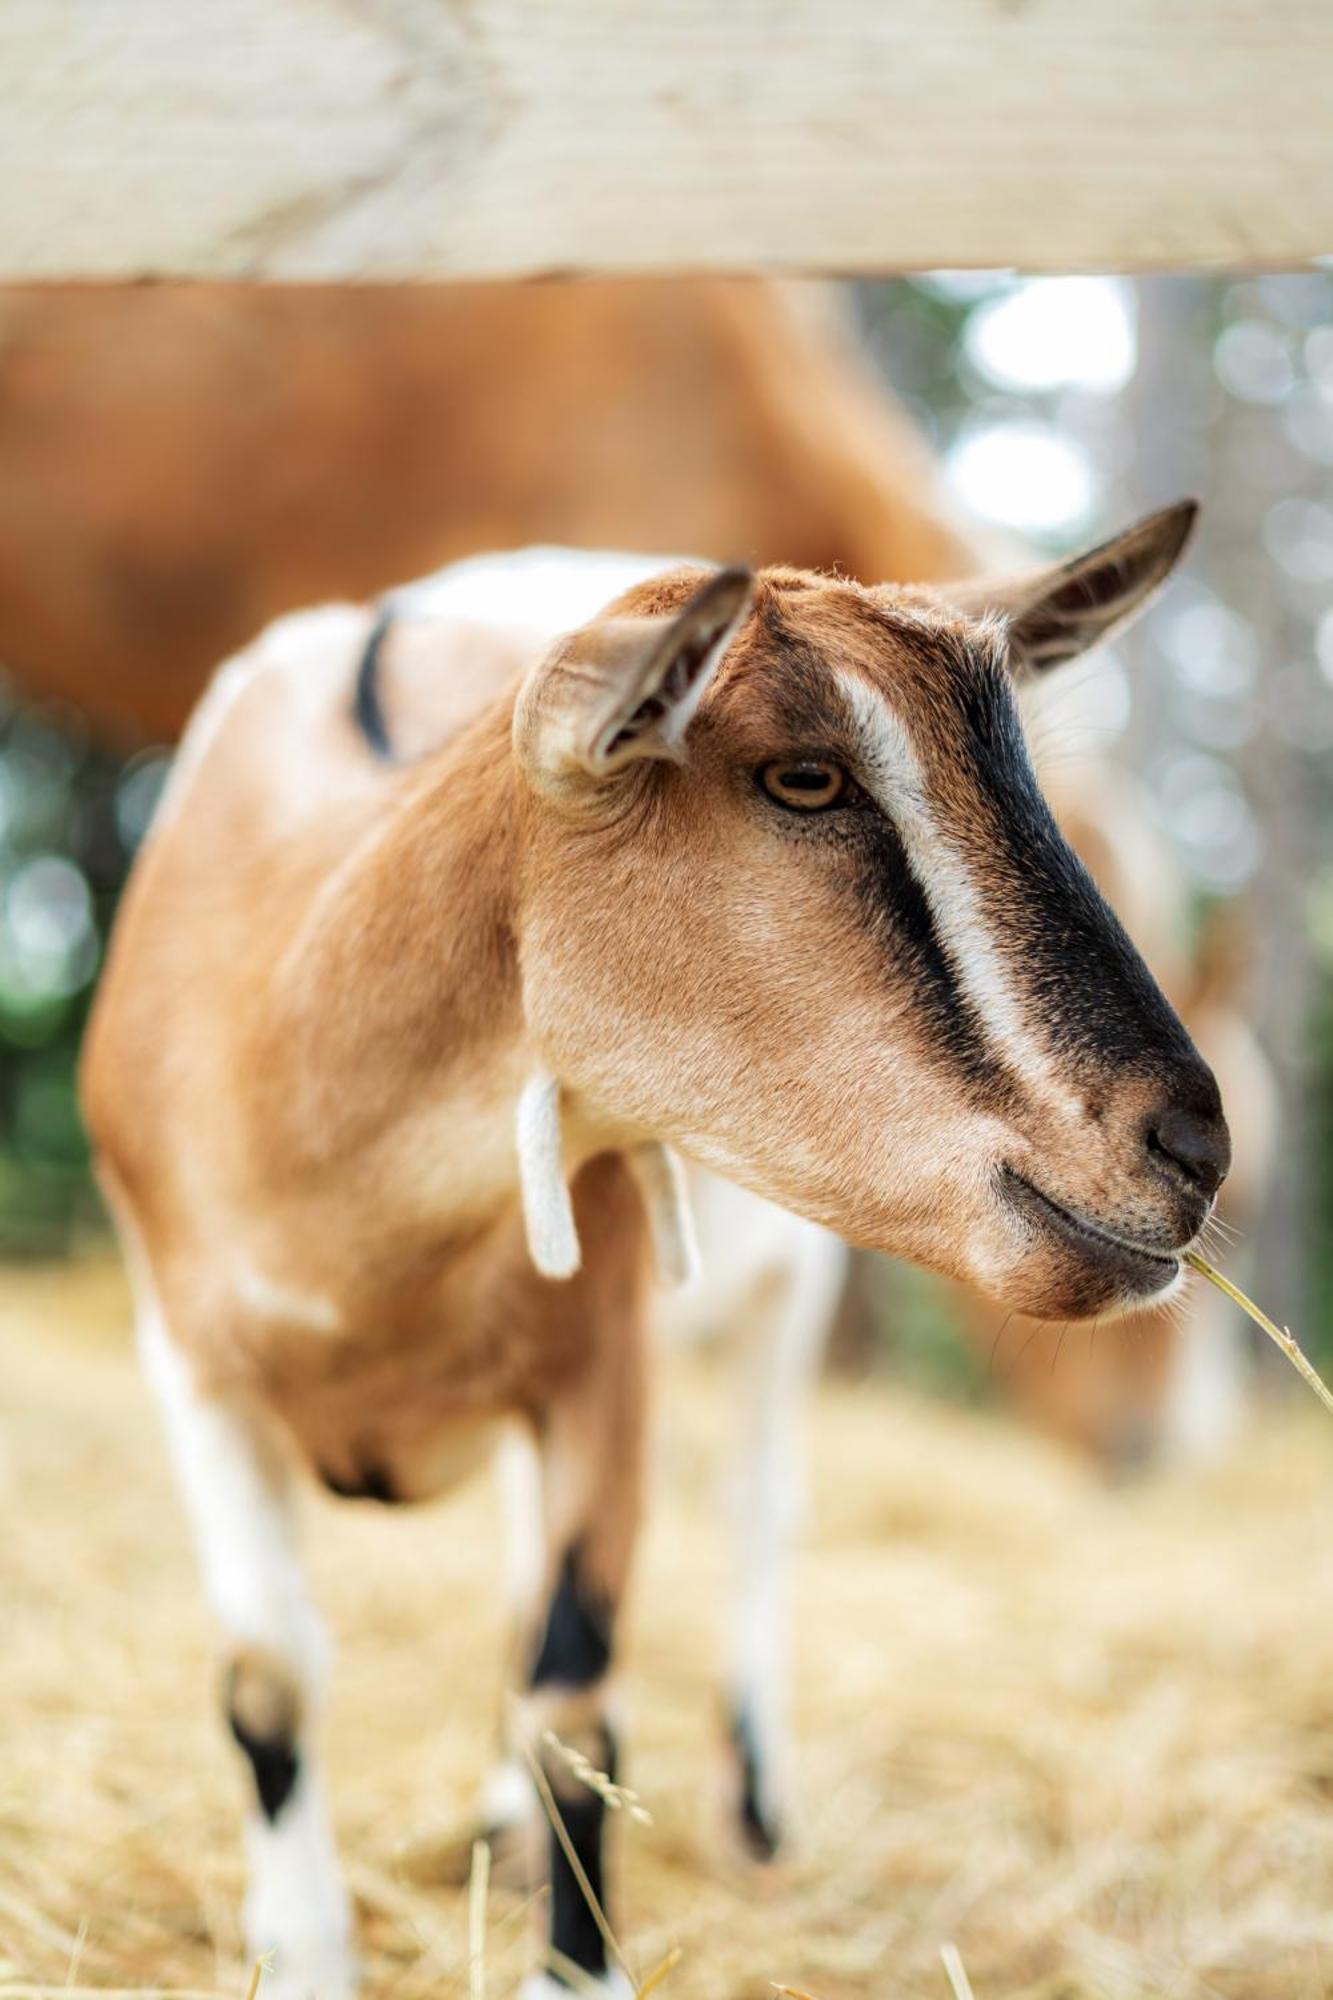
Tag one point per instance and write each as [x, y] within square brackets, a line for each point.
[1198, 1146]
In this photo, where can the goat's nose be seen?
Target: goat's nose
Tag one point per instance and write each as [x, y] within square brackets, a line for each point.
[1194, 1144]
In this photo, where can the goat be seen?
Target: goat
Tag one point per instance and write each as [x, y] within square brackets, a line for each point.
[386, 1055]
[180, 465]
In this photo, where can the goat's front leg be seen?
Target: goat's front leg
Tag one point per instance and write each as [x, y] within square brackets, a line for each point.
[784, 1330]
[236, 1491]
[590, 1451]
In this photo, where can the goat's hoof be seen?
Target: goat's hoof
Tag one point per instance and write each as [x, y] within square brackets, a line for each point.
[752, 1803]
[760, 1836]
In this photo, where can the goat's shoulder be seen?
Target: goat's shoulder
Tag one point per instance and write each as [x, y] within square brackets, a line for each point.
[277, 719]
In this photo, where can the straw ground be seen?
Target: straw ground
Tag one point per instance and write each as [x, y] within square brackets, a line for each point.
[1085, 1737]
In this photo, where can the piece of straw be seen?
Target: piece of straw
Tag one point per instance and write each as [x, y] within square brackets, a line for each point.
[619, 1797]
[956, 1972]
[661, 1973]
[478, 1882]
[257, 1971]
[1278, 1334]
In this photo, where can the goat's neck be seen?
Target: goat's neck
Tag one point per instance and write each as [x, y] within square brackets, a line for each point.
[399, 1002]
[399, 1007]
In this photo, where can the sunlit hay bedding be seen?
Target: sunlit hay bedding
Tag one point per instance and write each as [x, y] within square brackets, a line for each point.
[1085, 1736]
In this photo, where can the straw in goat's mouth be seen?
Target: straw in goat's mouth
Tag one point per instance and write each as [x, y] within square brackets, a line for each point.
[1277, 1334]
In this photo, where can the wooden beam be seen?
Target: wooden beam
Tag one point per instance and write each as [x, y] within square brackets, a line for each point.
[341, 139]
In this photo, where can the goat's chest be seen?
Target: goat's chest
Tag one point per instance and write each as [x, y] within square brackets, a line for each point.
[391, 1371]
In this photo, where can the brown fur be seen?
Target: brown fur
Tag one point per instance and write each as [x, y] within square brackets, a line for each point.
[261, 1696]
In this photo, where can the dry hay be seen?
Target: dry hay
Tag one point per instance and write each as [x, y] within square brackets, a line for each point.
[1086, 1737]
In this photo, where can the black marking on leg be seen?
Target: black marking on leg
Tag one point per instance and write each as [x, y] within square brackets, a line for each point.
[574, 1932]
[576, 1646]
[762, 1836]
[372, 1482]
[275, 1762]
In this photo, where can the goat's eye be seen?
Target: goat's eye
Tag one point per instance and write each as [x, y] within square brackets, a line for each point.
[806, 784]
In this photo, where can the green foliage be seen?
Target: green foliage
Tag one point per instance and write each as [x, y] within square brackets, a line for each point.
[71, 815]
[917, 1329]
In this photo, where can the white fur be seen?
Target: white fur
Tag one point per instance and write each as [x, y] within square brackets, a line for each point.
[235, 1493]
[548, 1211]
[225, 689]
[779, 1279]
[237, 1505]
[895, 777]
[508, 1796]
[317, 642]
[540, 1986]
[297, 1914]
[518, 1466]
[544, 591]
[288, 1303]
[670, 1220]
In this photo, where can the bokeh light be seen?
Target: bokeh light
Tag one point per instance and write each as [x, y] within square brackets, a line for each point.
[1254, 361]
[1024, 474]
[1052, 333]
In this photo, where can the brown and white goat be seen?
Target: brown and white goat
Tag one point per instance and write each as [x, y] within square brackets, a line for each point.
[386, 1055]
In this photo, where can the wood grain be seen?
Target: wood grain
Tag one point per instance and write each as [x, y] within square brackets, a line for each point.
[345, 139]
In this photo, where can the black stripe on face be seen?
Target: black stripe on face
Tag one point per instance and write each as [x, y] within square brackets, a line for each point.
[896, 911]
[891, 899]
[1082, 978]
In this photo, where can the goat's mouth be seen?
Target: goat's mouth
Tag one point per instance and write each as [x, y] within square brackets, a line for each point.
[1136, 1270]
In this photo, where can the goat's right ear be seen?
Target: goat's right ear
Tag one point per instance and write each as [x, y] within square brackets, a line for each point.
[626, 688]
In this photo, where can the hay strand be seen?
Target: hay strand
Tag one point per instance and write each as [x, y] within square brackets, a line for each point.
[1279, 1335]
[956, 1972]
[618, 1797]
[478, 1883]
[1133, 1798]
[661, 1973]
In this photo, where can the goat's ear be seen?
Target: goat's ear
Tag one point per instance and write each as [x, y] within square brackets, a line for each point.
[1055, 613]
[626, 688]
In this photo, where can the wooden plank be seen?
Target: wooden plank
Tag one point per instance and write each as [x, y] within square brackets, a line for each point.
[445, 138]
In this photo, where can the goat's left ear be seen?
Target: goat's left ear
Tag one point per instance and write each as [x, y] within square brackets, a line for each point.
[626, 688]
[1055, 613]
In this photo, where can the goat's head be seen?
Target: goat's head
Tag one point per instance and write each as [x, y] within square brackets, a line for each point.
[793, 900]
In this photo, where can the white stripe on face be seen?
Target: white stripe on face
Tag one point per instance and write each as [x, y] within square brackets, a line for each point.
[893, 776]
